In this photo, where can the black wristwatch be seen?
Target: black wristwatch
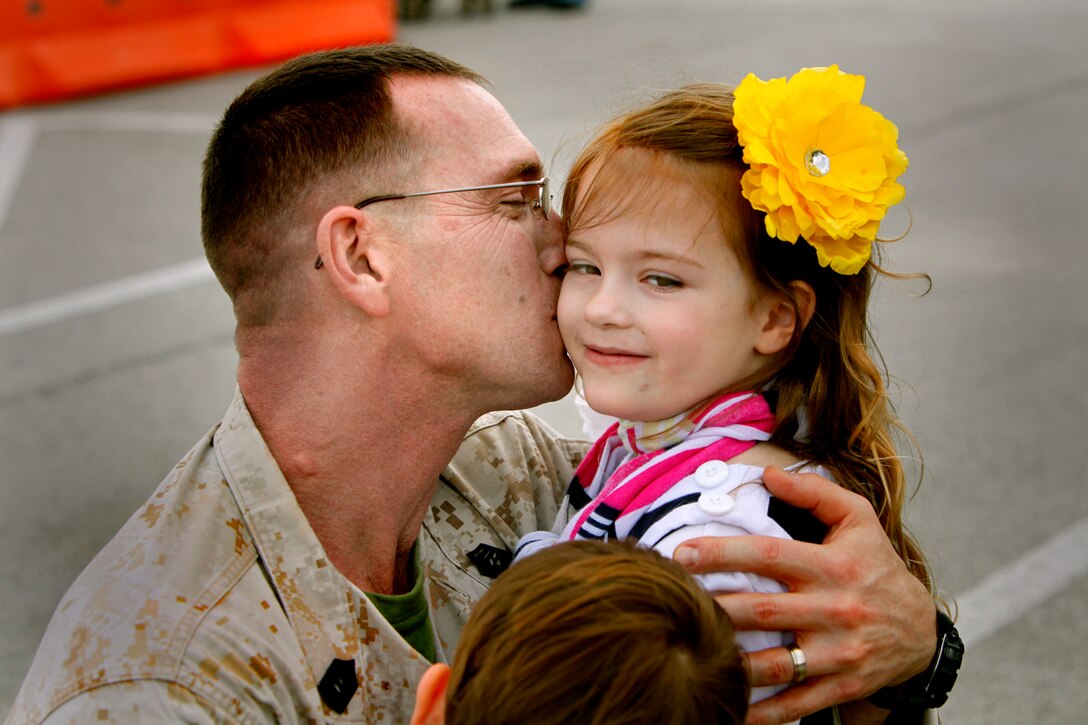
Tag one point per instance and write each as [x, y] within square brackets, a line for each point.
[929, 689]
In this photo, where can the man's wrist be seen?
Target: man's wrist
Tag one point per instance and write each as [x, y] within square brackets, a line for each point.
[930, 688]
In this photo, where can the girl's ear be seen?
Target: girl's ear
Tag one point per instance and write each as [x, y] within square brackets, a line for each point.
[780, 318]
[431, 696]
[805, 297]
[357, 265]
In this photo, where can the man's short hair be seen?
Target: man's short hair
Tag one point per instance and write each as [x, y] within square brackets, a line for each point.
[594, 632]
[317, 115]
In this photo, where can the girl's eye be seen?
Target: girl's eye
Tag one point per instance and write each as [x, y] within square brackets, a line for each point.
[660, 280]
[582, 268]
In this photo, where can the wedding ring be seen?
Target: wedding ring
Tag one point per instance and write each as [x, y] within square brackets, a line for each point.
[800, 664]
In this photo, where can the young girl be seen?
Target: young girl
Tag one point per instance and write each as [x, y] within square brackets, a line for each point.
[716, 303]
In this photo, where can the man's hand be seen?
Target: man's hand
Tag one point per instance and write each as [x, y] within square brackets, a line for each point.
[861, 618]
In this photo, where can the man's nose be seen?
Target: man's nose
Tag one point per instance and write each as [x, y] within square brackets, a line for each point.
[550, 246]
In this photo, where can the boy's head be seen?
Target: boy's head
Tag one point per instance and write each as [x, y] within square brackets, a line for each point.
[591, 632]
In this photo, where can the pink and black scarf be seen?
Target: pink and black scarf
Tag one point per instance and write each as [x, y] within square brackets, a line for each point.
[633, 464]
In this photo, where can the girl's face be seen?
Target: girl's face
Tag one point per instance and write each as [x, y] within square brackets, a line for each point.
[655, 310]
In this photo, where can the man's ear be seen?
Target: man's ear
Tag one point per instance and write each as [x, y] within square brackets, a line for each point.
[357, 265]
[431, 696]
[780, 318]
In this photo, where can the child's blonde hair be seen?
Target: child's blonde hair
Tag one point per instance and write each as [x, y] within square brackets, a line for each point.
[593, 632]
[827, 387]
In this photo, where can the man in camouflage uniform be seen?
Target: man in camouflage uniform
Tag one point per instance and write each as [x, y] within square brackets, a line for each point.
[315, 549]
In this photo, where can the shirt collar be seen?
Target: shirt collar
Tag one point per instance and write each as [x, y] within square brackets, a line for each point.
[332, 618]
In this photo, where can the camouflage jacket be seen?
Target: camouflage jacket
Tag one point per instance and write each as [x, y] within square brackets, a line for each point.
[216, 602]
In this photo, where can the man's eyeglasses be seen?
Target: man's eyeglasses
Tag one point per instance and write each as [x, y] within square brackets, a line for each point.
[542, 203]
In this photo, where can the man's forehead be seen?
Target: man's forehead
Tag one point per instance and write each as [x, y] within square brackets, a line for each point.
[435, 107]
[455, 119]
[414, 93]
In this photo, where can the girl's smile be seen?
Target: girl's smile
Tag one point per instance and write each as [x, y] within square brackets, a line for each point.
[611, 356]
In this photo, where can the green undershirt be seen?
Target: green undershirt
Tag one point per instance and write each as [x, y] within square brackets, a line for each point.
[408, 613]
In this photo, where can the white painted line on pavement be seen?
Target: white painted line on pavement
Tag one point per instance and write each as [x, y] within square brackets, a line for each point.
[1014, 590]
[101, 297]
[17, 135]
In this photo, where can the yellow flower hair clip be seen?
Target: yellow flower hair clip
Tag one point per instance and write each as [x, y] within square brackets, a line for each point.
[822, 165]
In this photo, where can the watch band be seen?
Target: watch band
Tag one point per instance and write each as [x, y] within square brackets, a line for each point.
[929, 689]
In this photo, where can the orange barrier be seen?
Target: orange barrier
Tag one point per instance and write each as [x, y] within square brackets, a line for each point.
[53, 49]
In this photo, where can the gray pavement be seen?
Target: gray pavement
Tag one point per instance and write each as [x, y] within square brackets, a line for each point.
[116, 352]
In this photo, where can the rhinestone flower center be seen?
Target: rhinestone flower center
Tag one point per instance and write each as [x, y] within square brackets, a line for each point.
[817, 163]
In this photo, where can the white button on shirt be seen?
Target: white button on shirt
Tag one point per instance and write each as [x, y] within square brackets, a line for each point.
[716, 503]
[712, 474]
